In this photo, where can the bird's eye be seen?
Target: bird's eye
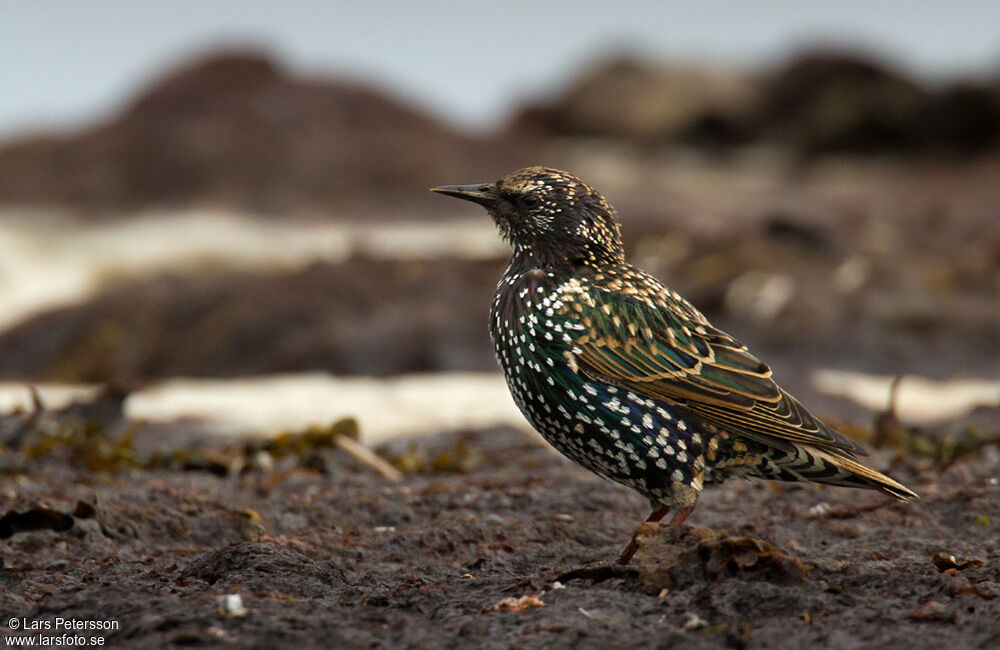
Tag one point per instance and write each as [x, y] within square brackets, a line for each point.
[529, 200]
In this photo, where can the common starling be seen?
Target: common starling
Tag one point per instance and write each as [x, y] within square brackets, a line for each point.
[626, 377]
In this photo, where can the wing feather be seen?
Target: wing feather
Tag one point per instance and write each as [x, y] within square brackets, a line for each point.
[674, 355]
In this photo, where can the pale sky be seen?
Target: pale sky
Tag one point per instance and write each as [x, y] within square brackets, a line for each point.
[67, 62]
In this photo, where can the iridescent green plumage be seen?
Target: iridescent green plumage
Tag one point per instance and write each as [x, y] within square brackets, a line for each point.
[665, 349]
[623, 375]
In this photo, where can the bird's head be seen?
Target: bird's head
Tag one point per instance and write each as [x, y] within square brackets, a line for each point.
[550, 215]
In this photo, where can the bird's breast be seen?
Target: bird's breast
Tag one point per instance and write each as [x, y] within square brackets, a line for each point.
[612, 431]
[530, 331]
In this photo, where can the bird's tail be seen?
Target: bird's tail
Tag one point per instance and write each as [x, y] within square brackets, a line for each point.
[819, 466]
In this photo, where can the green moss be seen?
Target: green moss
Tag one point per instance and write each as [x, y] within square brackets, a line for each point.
[459, 459]
[86, 445]
[300, 443]
[255, 527]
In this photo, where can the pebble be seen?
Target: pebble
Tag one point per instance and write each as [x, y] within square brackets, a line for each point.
[232, 605]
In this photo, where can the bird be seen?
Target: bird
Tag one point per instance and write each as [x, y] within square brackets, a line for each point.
[624, 376]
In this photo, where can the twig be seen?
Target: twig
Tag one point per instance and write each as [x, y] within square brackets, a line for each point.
[894, 393]
[368, 458]
[16, 437]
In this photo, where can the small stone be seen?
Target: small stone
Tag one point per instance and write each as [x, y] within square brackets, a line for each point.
[231, 605]
[513, 604]
[693, 622]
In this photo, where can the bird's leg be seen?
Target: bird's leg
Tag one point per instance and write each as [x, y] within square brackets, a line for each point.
[681, 515]
[656, 515]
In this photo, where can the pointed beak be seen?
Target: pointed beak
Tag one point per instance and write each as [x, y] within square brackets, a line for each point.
[481, 193]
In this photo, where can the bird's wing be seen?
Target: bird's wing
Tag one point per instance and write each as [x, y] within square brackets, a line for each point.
[665, 349]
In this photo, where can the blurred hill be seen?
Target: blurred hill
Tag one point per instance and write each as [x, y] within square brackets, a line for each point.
[823, 102]
[236, 130]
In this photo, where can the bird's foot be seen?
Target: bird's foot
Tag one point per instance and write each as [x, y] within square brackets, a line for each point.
[598, 573]
[656, 515]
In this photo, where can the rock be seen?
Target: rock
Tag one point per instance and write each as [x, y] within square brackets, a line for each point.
[231, 605]
[833, 101]
[39, 518]
[677, 557]
[644, 102]
[963, 118]
[266, 567]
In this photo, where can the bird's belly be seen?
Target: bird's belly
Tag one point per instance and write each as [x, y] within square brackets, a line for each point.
[638, 442]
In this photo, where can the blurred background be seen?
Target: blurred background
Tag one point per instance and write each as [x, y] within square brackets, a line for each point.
[221, 209]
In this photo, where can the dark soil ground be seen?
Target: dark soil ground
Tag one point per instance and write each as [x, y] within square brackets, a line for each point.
[472, 547]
